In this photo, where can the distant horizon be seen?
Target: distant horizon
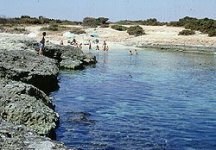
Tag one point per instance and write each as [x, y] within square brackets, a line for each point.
[7, 17]
[115, 10]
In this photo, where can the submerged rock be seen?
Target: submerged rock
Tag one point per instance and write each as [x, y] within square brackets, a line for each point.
[22, 103]
[80, 118]
[18, 137]
[28, 67]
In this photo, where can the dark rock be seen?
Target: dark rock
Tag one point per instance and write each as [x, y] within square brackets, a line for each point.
[69, 57]
[71, 64]
[28, 67]
[80, 118]
[22, 103]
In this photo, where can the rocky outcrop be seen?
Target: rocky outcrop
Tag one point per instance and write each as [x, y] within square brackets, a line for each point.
[25, 77]
[16, 42]
[69, 57]
[22, 103]
[28, 67]
[18, 137]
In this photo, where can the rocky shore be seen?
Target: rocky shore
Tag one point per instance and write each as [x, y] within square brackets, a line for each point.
[182, 48]
[27, 113]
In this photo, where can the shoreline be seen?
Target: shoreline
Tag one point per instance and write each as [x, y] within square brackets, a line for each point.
[182, 48]
[65, 57]
[211, 50]
[25, 103]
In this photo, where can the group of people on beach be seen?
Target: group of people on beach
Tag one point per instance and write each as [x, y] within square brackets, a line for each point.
[74, 43]
[105, 47]
[133, 52]
[89, 44]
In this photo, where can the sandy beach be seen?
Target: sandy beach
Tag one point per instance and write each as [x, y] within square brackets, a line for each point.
[155, 36]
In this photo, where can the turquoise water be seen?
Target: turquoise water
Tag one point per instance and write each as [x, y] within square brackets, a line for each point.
[153, 100]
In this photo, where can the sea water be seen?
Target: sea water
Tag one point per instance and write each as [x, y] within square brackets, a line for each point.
[152, 100]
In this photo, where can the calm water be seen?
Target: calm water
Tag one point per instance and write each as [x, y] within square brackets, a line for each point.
[153, 100]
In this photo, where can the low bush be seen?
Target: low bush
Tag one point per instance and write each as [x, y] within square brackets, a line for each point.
[16, 29]
[148, 22]
[135, 30]
[52, 27]
[212, 33]
[33, 20]
[119, 27]
[104, 25]
[77, 31]
[19, 29]
[205, 25]
[186, 32]
[95, 22]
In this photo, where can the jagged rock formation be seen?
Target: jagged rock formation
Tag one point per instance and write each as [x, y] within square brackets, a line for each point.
[22, 103]
[16, 42]
[28, 67]
[25, 77]
[18, 137]
[69, 57]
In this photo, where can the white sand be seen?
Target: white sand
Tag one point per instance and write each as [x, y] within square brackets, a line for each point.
[155, 35]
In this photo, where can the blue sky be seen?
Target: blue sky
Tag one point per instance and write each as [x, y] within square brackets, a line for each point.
[163, 10]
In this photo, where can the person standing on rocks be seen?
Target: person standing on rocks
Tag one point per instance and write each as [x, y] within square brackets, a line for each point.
[42, 44]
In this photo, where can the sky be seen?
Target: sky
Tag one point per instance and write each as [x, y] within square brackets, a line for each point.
[115, 10]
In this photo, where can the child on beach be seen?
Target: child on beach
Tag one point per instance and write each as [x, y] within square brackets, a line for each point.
[136, 51]
[97, 47]
[61, 43]
[90, 47]
[42, 44]
[104, 46]
[80, 45]
[107, 48]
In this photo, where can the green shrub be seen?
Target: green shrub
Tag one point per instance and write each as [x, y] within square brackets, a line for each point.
[205, 25]
[152, 22]
[125, 22]
[119, 27]
[212, 33]
[187, 32]
[135, 30]
[20, 30]
[94, 22]
[104, 25]
[148, 22]
[25, 16]
[174, 24]
[52, 27]
[77, 31]
[33, 20]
